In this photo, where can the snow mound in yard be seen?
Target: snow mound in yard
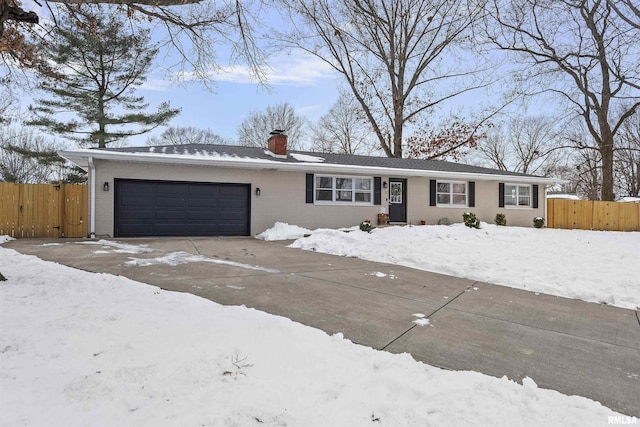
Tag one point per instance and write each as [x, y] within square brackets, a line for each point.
[4, 239]
[86, 349]
[283, 231]
[595, 266]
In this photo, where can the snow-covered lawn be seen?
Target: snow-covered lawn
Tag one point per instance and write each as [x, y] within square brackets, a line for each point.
[85, 349]
[595, 266]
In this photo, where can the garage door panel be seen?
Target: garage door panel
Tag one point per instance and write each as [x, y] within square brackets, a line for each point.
[203, 190]
[136, 201]
[168, 187]
[233, 204]
[136, 214]
[136, 227]
[167, 208]
[202, 217]
[167, 215]
[203, 203]
[166, 202]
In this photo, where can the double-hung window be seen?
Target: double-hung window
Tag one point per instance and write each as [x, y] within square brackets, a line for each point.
[451, 193]
[517, 196]
[343, 189]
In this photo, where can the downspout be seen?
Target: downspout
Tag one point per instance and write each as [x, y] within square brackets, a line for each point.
[92, 199]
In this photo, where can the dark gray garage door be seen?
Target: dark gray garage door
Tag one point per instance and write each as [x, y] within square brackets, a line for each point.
[169, 208]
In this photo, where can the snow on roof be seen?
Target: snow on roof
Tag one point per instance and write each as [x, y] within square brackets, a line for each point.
[563, 196]
[306, 158]
[256, 158]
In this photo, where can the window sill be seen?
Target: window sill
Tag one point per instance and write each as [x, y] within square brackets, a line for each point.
[451, 206]
[345, 204]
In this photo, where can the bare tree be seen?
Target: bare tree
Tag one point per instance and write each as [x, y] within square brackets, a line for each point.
[627, 10]
[175, 135]
[255, 128]
[28, 157]
[529, 145]
[398, 57]
[191, 28]
[451, 139]
[586, 174]
[581, 52]
[627, 160]
[343, 130]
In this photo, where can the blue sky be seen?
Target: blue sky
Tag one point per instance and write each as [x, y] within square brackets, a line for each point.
[306, 83]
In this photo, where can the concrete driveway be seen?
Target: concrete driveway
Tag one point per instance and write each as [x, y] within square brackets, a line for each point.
[571, 346]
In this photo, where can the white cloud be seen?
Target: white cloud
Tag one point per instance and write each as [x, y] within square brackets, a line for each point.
[157, 85]
[296, 70]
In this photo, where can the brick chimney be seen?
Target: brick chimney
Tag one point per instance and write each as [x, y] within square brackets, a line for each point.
[277, 143]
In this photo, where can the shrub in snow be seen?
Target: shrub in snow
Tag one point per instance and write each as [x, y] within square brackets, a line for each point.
[366, 226]
[538, 222]
[470, 220]
[501, 219]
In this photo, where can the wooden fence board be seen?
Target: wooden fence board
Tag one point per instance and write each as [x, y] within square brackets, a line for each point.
[593, 215]
[43, 210]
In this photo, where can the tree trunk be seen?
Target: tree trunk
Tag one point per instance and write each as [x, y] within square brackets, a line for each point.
[606, 151]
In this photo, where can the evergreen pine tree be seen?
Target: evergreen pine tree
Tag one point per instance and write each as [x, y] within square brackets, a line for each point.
[96, 62]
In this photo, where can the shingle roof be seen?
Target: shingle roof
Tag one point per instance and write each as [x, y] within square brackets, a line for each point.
[329, 158]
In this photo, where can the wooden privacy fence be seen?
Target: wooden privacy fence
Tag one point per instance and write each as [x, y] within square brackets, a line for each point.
[593, 215]
[43, 210]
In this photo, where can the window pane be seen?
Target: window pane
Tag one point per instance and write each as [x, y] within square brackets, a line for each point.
[523, 201]
[363, 197]
[443, 187]
[363, 184]
[345, 183]
[444, 199]
[459, 199]
[324, 182]
[343, 196]
[324, 195]
[523, 190]
[460, 188]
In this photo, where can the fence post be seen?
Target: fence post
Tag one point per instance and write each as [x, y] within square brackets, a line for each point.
[61, 203]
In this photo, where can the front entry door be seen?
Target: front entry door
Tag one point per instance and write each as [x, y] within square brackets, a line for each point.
[397, 200]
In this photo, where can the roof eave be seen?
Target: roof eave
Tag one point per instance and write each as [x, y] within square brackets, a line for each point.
[80, 157]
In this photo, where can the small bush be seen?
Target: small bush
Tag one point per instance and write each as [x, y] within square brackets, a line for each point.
[470, 220]
[538, 222]
[444, 221]
[501, 219]
[366, 226]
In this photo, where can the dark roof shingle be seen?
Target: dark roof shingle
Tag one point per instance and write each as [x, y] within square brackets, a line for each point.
[329, 158]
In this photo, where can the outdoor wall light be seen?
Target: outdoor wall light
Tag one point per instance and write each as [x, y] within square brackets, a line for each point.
[258, 192]
[105, 186]
[384, 184]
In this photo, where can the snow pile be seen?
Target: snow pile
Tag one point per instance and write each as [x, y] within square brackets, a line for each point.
[108, 246]
[181, 257]
[5, 238]
[594, 266]
[283, 231]
[85, 349]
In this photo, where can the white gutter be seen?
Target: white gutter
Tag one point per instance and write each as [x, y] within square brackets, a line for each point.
[78, 156]
[92, 203]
